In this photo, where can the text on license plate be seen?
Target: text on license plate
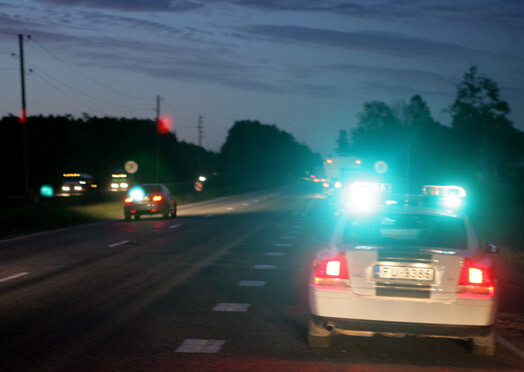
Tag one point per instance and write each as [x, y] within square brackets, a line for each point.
[403, 272]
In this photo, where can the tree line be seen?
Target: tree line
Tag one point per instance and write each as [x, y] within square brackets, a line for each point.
[254, 154]
[481, 144]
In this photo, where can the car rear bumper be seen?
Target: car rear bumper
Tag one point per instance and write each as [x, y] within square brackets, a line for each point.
[146, 208]
[463, 310]
[401, 328]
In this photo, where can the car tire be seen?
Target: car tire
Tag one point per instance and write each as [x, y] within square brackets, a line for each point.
[318, 336]
[127, 217]
[484, 345]
[167, 214]
[137, 217]
[173, 215]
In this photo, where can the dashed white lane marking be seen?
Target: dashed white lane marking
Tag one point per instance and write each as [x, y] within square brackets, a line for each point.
[292, 232]
[245, 204]
[297, 226]
[510, 346]
[275, 254]
[265, 267]
[251, 283]
[119, 243]
[230, 209]
[13, 277]
[175, 226]
[191, 345]
[225, 306]
[282, 245]
[256, 200]
[288, 237]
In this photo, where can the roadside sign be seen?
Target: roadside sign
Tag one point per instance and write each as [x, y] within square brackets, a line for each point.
[199, 186]
[381, 167]
[131, 166]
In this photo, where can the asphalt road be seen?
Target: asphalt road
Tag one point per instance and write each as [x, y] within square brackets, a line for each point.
[220, 288]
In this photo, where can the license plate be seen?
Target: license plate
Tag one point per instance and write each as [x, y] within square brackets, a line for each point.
[404, 272]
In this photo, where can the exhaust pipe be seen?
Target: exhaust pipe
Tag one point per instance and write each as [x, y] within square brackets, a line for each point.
[330, 326]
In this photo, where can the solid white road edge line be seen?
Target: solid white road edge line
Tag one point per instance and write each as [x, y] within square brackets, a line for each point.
[119, 243]
[13, 277]
[510, 346]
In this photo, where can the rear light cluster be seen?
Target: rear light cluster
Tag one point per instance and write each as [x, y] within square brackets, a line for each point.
[476, 278]
[157, 198]
[128, 200]
[331, 271]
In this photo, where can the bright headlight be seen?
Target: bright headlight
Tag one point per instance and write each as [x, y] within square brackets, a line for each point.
[453, 201]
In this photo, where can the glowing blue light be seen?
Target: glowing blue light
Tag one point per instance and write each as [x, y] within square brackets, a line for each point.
[46, 191]
[137, 194]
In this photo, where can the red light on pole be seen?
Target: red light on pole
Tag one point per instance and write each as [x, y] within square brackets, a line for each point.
[164, 124]
[22, 119]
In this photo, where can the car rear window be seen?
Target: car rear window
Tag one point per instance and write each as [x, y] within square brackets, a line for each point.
[407, 230]
[152, 188]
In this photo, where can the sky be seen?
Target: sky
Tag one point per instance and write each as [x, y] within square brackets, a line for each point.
[305, 66]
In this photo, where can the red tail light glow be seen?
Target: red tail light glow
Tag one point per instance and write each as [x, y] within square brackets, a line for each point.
[157, 198]
[331, 270]
[475, 278]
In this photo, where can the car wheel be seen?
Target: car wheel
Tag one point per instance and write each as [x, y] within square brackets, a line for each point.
[167, 213]
[137, 217]
[319, 336]
[127, 216]
[484, 345]
[173, 214]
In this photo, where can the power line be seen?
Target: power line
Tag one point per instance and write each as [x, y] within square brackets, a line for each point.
[87, 76]
[68, 96]
[85, 94]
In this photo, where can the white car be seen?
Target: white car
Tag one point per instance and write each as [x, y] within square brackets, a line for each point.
[405, 271]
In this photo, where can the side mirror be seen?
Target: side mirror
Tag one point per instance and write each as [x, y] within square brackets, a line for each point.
[492, 248]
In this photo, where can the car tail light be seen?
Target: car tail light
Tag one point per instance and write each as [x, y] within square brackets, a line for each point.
[128, 200]
[157, 198]
[331, 270]
[476, 278]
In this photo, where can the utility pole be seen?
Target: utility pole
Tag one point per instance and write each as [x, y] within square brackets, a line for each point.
[200, 129]
[157, 138]
[200, 135]
[23, 116]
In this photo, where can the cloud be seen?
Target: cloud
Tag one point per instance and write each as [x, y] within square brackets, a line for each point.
[377, 42]
[423, 80]
[132, 5]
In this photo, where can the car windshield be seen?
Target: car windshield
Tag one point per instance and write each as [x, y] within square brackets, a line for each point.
[406, 229]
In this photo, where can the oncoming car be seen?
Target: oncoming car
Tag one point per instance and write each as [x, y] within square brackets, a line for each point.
[149, 199]
[405, 271]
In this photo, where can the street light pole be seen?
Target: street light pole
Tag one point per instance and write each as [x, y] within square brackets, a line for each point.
[23, 116]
